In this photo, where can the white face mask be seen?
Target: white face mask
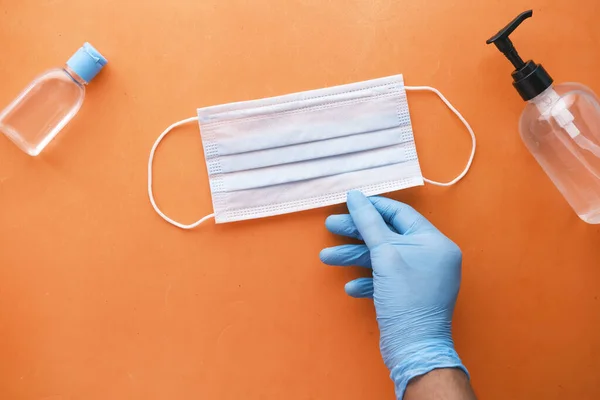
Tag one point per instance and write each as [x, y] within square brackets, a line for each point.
[307, 150]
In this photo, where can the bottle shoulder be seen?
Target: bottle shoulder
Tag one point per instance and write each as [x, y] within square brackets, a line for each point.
[567, 87]
[59, 77]
[553, 103]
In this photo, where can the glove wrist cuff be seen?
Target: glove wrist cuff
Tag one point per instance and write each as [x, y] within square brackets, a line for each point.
[432, 357]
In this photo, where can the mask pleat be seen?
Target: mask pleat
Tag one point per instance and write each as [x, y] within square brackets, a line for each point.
[315, 168]
[305, 125]
[309, 151]
[304, 195]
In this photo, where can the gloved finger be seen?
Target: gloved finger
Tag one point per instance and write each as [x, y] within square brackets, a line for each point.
[360, 288]
[342, 224]
[402, 217]
[367, 219]
[347, 255]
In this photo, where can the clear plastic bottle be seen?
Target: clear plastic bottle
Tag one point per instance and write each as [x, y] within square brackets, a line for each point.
[560, 126]
[44, 107]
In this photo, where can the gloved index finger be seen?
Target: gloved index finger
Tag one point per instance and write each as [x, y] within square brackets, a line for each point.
[367, 219]
[402, 217]
[342, 224]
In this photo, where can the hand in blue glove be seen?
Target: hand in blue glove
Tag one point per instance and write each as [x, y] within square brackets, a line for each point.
[416, 277]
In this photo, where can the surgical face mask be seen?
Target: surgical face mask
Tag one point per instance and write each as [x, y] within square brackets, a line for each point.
[307, 150]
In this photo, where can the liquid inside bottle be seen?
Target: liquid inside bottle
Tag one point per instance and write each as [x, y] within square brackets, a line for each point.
[44, 107]
[561, 128]
[36, 116]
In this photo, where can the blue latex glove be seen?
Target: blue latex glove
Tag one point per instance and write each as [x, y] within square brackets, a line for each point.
[416, 277]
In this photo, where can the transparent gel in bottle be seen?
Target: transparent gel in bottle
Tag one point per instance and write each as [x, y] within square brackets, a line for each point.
[560, 126]
[45, 107]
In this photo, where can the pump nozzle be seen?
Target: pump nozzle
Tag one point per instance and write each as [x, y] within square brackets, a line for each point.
[503, 43]
[530, 79]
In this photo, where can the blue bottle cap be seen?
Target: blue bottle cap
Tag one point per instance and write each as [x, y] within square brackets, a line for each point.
[87, 62]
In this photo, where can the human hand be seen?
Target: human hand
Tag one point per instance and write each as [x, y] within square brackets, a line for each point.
[416, 278]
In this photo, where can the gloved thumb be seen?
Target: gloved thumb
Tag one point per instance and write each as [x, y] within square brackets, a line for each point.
[368, 221]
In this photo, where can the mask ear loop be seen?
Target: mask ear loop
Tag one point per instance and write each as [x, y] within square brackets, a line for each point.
[464, 121]
[151, 194]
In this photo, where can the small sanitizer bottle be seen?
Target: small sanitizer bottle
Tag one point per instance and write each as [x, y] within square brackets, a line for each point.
[560, 126]
[36, 116]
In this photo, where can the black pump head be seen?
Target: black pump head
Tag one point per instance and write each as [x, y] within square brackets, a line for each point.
[530, 79]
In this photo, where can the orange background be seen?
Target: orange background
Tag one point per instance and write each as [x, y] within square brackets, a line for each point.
[101, 299]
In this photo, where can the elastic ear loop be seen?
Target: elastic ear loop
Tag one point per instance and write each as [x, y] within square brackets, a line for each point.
[464, 121]
[151, 195]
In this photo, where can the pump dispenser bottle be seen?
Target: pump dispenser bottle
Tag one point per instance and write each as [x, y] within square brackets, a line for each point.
[560, 126]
